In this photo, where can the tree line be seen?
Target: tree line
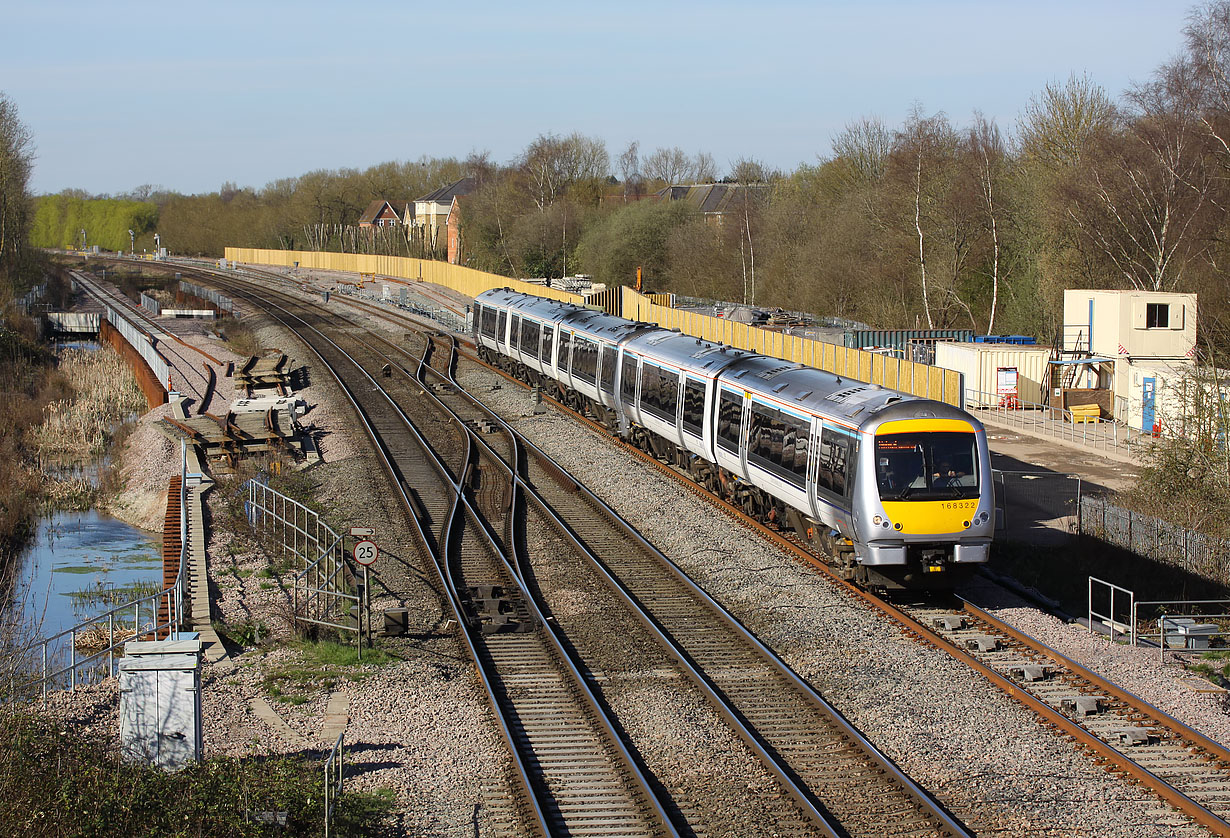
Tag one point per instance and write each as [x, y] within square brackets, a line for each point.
[928, 223]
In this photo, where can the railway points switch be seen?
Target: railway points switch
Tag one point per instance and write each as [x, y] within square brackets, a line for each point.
[982, 643]
[954, 623]
[1081, 705]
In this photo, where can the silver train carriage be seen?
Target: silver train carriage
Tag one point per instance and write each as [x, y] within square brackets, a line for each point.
[896, 488]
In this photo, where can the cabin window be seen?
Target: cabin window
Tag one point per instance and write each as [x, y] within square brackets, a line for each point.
[659, 392]
[548, 332]
[833, 461]
[531, 333]
[1157, 315]
[627, 380]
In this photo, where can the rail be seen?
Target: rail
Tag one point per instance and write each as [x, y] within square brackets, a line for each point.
[43, 654]
[1050, 421]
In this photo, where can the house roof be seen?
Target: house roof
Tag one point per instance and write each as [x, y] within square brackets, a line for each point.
[445, 194]
[712, 197]
[377, 206]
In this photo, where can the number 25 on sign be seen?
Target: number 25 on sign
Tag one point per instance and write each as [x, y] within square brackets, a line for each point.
[366, 552]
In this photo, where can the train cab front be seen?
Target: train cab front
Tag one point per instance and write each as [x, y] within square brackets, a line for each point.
[929, 512]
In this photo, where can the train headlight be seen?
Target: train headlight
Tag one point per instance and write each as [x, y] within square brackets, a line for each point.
[877, 520]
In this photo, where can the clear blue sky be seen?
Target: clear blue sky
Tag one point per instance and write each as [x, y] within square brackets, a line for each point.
[189, 95]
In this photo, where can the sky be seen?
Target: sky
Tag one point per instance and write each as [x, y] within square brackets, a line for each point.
[189, 96]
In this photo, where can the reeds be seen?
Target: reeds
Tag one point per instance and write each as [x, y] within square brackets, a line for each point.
[105, 393]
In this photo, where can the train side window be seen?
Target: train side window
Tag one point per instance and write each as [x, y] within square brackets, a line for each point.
[478, 317]
[501, 327]
[608, 370]
[585, 359]
[514, 333]
[548, 333]
[531, 332]
[489, 318]
[693, 406]
[627, 379]
[775, 442]
[729, 420]
[833, 462]
[565, 344]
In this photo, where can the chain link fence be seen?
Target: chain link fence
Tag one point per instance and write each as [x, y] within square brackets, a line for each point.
[1036, 507]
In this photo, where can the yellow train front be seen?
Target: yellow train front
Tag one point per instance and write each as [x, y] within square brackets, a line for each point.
[923, 511]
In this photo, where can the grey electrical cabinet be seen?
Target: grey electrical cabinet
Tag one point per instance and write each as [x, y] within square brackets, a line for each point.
[160, 702]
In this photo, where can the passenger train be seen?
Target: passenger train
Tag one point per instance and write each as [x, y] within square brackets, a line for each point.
[897, 489]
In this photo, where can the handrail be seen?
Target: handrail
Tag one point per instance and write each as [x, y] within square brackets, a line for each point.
[1053, 421]
[174, 594]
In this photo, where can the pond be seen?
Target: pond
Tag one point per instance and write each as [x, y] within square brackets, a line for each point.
[81, 564]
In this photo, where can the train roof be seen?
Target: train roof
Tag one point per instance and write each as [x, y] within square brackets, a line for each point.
[810, 389]
[689, 353]
[587, 321]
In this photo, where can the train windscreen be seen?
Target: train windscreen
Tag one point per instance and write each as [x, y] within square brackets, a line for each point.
[937, 465]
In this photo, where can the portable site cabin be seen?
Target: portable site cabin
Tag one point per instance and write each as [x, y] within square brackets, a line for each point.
[997, 374]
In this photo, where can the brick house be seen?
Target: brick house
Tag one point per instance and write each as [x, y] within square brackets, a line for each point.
[382, 213]
[431, 212]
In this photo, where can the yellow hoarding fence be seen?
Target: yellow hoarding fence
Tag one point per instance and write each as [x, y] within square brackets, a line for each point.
[463, 280]
[895, 373]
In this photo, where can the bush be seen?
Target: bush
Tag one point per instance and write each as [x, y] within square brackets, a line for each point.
[54, 782]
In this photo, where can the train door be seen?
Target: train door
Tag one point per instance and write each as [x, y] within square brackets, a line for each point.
[1148, 399]
[813, 460]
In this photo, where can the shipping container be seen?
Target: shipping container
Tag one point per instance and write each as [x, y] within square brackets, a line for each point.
[997, 374]
[899, 339]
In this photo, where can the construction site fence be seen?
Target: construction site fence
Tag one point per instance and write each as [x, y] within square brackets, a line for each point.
[894, 373]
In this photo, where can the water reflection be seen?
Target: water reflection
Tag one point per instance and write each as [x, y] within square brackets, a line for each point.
[81, 564]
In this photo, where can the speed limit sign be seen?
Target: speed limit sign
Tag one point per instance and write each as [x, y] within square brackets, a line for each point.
[366, 552]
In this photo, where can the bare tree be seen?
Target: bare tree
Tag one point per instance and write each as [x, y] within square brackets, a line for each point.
[630, 169]
[987, 147]
[1144, 202]
[552, 164]
[1058, 125]
[669, 165]
[16, 160]
[865, 145]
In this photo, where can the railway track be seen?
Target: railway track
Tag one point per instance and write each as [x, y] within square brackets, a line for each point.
[577, 776]
[1125, 734]
[841, 782]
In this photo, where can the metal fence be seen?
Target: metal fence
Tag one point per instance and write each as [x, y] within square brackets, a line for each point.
[143, 343]
[1156, 539]
[150, 304]
[223, 303]
[49, 663]
[1051, 421]
[321, 594]
[1036, 507]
